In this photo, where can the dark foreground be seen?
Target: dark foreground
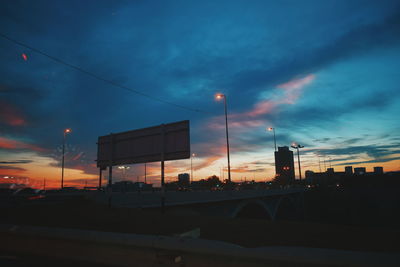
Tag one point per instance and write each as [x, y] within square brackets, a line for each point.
[82, 214]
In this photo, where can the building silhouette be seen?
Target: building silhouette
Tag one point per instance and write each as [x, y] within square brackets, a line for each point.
[360, 171]
[284, 165]
[183, 179]
[348, 170]
[378, 170]
[330, 170]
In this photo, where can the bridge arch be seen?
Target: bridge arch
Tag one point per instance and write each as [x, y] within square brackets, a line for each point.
[253, 208]
[286, 208]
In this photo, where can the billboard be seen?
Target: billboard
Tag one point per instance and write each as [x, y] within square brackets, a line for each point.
[163, 142]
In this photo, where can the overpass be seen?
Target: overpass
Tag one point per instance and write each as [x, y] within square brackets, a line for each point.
[234, 203]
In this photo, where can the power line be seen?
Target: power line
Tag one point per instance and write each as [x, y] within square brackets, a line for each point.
[98, 77]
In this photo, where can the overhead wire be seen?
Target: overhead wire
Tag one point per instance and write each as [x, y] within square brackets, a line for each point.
[93, 75]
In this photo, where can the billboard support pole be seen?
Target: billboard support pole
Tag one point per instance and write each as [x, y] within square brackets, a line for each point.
[145, 173]
[109, 176]
[111, 161]
[162, 168]
[100, 177]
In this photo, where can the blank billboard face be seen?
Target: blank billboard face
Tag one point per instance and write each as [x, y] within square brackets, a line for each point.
[145, 145]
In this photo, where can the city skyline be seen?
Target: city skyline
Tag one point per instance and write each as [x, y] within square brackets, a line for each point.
[321, 74]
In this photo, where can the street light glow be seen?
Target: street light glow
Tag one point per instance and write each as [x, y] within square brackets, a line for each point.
[219, 96]
[68, 130]
[270, 129]
[124, 167]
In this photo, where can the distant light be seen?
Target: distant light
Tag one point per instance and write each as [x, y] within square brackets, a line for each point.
[270, 129]
[194, 155]
[68, 130]
[24, 56]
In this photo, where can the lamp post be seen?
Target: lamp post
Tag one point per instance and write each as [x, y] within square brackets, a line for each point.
[219, 97]
[191, 167]
[66, 131]
[298, 146]
[273, 130]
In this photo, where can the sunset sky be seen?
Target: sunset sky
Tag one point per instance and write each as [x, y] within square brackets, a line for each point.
[324, 74]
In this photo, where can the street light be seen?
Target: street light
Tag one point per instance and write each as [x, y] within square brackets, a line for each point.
[66, 131]
[123, 168]
[219, 97]
[297, 146]
[273, 130]
[191, 166]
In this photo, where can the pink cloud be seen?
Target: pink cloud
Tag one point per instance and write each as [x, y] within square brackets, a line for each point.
[78, 156]
[261, 108]
[7, 143]
[10, 115]
[235, 121]
[285, 94]
[297, 83]
[292, 91]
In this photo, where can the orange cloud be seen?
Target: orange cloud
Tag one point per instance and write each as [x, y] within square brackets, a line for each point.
[7, 143]
[206, 163]
[4, 170]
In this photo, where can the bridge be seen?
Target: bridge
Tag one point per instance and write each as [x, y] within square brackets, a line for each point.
[270, 204]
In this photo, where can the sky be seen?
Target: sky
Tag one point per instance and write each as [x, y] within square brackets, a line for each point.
[324, 74]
